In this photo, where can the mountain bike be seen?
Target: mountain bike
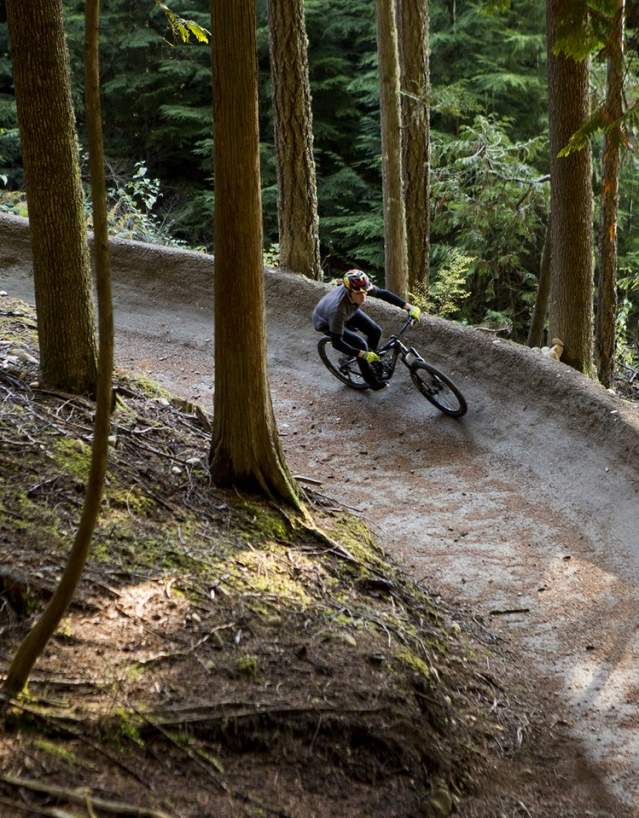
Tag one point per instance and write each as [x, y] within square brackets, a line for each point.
[433, 384]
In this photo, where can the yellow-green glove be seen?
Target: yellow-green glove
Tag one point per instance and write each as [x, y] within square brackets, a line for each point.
[370, 357]
[414, 312]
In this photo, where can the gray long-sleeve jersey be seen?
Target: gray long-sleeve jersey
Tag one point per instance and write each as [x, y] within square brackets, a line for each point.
[333, 311]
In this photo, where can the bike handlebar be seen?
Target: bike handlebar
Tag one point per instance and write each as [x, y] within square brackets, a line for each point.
[409, 322]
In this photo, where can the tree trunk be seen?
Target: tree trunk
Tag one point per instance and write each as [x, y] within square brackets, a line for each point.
[245, 449]
[536, 333]
[412, 20]
[395, 250]
[54, 195]
[606, 312]
[37, 638]
[570, 305]
[293, 124]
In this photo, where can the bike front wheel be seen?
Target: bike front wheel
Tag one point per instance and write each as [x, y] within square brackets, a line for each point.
[345, 369]
[438, 389]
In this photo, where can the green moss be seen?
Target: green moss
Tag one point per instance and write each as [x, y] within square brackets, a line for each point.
[263, 522]
[127, 727]
[149, 387]
[247, 666]
[58, 751]
[414, 662]
[355, 536]
[127, 498]
[269, 571]
[73, 457]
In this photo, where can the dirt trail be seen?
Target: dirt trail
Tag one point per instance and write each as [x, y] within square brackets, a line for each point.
[529, 504]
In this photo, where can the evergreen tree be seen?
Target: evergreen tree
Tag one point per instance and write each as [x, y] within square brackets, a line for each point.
[571, 288]
[395, 247]
[37, 638]
[245, 449]
[606, 313]
[55, 197]
[293, 125]
[412, 17]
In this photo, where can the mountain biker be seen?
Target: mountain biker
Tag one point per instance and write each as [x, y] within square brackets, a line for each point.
[338, 314]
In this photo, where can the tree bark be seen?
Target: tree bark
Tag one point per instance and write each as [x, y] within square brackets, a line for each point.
[606, 312]
[536, 333]
[412, 21]
[54, 195]
[245, 448]
[395, 248]
[37, 638]
[570, 304]
[293, 124]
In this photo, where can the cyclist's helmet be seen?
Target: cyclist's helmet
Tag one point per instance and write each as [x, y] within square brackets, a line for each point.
[357, 281]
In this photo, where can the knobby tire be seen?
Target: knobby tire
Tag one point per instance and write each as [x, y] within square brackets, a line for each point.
[438, 389]
[353, 379]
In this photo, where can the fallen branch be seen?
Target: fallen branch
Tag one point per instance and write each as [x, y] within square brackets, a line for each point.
[170, 718]
[508, 611]
[60, 724]
[80, 796]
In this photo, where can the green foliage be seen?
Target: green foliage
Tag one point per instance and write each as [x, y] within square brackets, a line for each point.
[585, 28]
[184, 29]
[489, 203]
[131, 209]
[597, 123]
[449, 285]
[488, 117]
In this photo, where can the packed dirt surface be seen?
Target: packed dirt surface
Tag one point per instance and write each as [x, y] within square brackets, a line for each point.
[525, 510]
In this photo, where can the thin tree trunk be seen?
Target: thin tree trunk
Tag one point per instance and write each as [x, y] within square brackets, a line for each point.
[36, 640]
[293, 123]
[536, 333]
[606, 312]
[245, 449]
[570, 303]
[412, 21]
[54, 195]
[395, 249]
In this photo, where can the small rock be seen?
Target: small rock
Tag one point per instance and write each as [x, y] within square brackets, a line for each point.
[25, 356]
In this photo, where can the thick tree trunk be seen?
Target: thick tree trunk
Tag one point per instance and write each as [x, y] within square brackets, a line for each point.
[395, 250]
[536, 333]
[293, 123]
[606, 312]
[570, 304]
[412, 20]
[245, 449]
[54, 195]
[36, 640]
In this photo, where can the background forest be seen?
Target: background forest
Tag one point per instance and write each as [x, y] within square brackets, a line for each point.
[489, 186]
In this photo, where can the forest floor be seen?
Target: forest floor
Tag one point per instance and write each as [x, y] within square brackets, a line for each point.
[220, 660]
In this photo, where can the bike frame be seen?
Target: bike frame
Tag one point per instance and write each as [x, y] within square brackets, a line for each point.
[408, 355]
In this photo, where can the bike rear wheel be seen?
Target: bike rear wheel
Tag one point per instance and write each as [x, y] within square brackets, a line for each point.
[345, 369]
[438, 389]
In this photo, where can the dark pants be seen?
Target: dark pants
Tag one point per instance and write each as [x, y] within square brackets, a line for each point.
[373, 332]
[362, 322]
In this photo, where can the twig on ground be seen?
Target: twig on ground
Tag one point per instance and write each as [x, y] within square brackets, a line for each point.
[310, 480]
[508, 611]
